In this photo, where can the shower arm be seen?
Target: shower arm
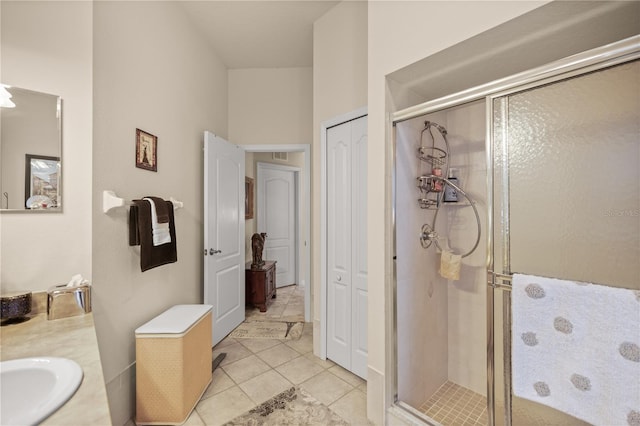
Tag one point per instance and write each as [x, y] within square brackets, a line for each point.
[429, 234]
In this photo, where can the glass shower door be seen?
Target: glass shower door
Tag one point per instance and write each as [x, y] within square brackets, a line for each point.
[566, 200]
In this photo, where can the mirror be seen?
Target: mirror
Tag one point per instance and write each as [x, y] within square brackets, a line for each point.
[30, 151]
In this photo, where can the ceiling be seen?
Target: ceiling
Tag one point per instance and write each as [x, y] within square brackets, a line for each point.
[259, 34]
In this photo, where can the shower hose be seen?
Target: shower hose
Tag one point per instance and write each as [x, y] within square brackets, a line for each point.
[428, 233]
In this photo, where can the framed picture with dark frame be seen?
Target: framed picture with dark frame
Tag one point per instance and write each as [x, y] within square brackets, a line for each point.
[41, 180]
[248, 198]
[146, 151]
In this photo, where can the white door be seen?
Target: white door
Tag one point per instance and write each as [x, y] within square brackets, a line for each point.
[339, 245]
[277, 217]
[223, 233]
[359, 291]
[346, 245]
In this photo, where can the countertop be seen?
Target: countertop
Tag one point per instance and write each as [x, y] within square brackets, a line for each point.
[73, 338]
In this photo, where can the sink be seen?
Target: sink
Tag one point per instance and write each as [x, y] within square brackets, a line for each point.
[31, 389]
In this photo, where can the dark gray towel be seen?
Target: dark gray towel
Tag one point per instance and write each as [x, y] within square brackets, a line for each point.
[140, 232]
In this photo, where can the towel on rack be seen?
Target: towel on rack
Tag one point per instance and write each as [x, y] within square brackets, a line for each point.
[141, 232]
[134, 226]
[162, 212]
[160, 231]
[576, 348]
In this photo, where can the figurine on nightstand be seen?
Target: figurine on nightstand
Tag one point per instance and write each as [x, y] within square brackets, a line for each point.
[257, 245]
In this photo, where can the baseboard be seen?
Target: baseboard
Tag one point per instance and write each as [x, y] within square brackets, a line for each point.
[121, 393]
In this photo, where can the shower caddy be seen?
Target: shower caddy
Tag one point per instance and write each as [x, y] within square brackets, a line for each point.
[432, 185]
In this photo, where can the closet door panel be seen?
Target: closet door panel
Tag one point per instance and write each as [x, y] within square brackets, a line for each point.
[339, 245]
[359, 292]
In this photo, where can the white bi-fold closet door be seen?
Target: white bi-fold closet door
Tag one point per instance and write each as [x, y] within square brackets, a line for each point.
[347, 245]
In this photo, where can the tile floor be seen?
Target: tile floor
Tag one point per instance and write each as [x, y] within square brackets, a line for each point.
[255, 370]
[453, 404]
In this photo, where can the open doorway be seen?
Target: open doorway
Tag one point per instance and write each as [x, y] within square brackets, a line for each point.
[296, 158]
[277, 210]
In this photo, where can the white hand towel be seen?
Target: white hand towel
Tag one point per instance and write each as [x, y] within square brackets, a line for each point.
[160, 231]
[576, 348]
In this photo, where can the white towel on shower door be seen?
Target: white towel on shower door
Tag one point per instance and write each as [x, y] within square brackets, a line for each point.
[576, 348]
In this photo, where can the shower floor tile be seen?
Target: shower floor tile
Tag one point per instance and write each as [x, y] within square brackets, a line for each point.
[454, 405]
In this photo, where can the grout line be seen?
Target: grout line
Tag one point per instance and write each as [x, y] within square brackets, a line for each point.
[291, 297]
[454, 404]
[308, 378]
[344, 396]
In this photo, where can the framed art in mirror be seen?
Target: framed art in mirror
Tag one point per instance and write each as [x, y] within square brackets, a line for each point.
[42, 179]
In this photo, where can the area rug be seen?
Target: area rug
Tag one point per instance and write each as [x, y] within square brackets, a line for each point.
[268, 330]
[291, 407]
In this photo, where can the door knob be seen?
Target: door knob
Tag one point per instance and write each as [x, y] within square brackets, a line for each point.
[339, 278]
[212, 251]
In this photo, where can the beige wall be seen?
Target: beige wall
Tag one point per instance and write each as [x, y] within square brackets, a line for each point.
[153, 72]
[399, 37]
[339, 87]
[270, 106]
[47, 47]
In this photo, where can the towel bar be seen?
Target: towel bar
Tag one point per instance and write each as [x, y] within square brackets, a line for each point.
[110, 201]
[496, 280]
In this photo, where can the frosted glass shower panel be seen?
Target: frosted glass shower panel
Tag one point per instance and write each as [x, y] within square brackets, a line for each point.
[573, 155]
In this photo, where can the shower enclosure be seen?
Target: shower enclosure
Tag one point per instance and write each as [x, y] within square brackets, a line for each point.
[548, 166]
[441, 325]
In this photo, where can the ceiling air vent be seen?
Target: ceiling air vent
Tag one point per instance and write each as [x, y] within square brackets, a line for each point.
[282, 156]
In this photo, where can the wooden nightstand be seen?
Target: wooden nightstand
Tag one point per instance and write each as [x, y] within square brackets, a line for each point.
[260, 284]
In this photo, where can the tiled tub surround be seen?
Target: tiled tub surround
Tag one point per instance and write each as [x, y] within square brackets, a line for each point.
[73, 338]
